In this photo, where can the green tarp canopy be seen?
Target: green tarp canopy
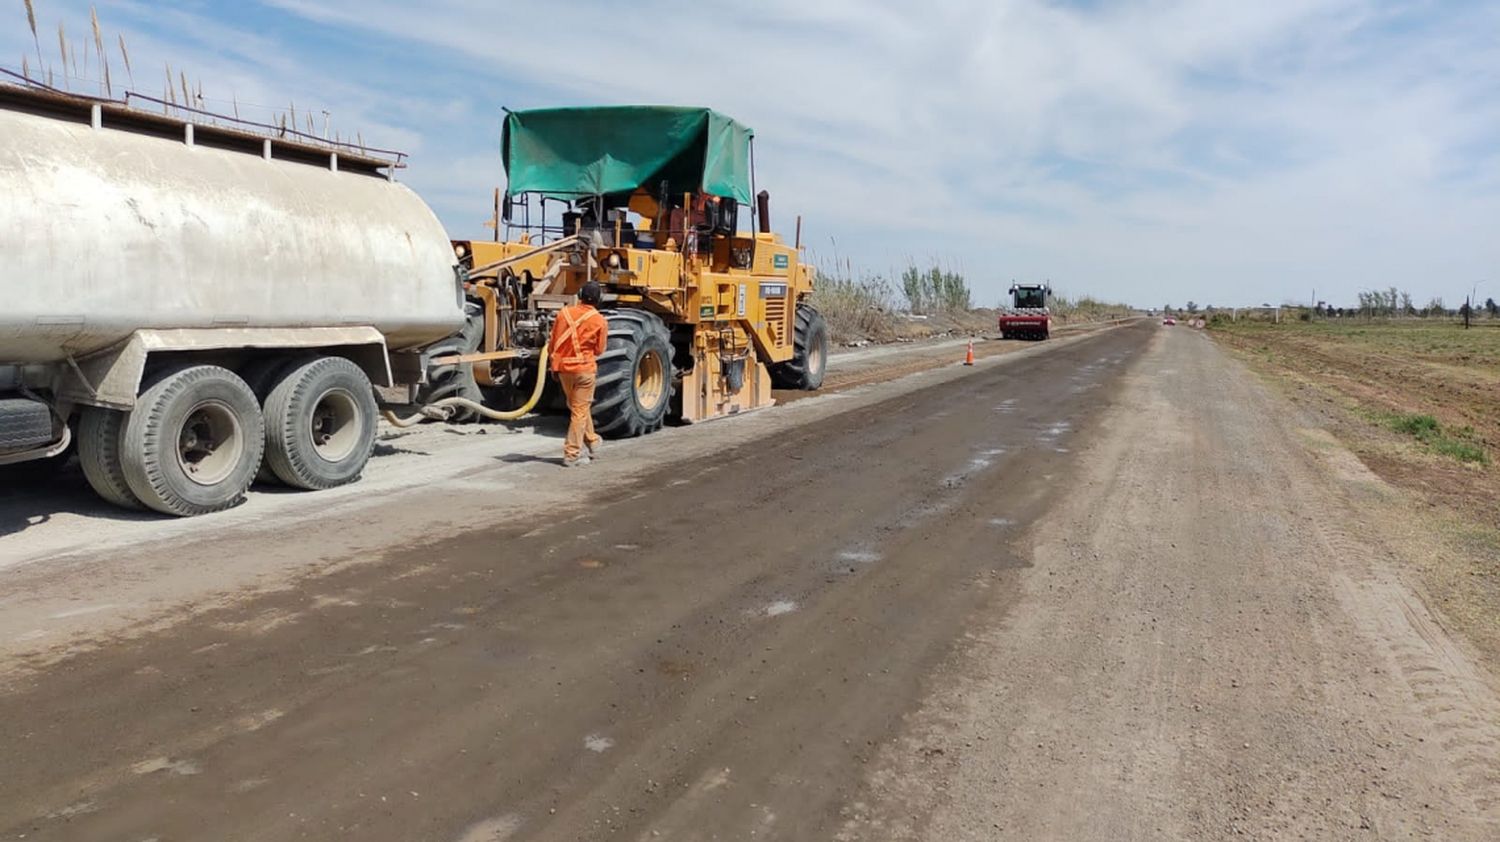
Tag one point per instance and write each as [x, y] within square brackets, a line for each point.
[612, 150]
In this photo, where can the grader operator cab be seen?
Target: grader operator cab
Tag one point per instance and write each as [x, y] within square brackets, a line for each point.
[704, 318]
[1029, 315]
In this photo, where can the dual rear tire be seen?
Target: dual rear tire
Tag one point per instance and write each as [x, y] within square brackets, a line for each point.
[320, 424]
[456, 380]
[198, 435]
[193, 442]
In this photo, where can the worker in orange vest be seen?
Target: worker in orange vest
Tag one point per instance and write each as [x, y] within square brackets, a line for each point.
[579, 335]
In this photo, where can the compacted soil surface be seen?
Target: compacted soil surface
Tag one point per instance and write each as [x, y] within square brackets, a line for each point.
[1104, 587]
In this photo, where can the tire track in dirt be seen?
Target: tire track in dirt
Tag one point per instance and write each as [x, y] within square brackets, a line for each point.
[1454, 702]
[1212, 641]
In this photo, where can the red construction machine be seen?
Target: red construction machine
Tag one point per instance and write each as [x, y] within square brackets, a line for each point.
[1029, 315]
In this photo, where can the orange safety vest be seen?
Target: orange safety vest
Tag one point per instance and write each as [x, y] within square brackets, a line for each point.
[579, 334]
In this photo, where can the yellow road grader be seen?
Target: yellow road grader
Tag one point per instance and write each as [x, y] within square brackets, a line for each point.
[705, 318]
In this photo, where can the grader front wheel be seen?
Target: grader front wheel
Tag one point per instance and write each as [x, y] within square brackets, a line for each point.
[809, 360]
[633, 388]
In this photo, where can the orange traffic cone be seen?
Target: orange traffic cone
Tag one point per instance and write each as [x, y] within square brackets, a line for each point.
[969, 355]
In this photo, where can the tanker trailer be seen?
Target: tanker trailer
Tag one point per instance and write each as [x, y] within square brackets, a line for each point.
[197, 304]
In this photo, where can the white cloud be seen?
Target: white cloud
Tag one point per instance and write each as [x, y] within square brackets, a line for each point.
[1230, 152]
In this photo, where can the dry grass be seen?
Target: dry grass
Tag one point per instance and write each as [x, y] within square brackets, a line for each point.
[870, 308]
[860, 310]
[856, 308]
[1399, 367]
[1086, 309]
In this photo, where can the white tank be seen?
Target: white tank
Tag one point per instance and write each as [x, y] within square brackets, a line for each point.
[107, 230]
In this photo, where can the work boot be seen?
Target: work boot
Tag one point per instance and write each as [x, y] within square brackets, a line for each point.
[594, 449]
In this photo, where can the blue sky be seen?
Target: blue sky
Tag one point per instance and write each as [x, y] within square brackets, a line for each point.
[1152, 152]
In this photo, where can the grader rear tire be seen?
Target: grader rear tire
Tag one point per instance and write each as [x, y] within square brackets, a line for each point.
[809, 360]
[633, 388]
[456, 380]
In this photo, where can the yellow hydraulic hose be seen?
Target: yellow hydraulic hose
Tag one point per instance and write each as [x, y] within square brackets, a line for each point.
[433, 410]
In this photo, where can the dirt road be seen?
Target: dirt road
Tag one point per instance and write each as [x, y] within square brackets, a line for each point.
[1214, 642]
[1092, 591]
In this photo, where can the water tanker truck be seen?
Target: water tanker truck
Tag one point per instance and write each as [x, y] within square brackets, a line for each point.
[198, 304]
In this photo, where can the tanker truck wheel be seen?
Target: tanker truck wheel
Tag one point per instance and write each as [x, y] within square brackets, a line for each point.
[193, 442]
[261, 376]
[634, 386]
[320, 424]
[456, 380]
[809, 360]
[99, 455]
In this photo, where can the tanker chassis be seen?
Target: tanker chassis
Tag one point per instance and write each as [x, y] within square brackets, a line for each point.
[195, 305]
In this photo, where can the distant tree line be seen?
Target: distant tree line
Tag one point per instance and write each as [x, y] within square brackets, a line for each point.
[1392, 302]
[935, 290]
[1386, 303]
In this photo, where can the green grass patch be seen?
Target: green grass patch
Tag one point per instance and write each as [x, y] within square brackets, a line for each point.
[1461, 450]
[1423, 427]
[1427, 430]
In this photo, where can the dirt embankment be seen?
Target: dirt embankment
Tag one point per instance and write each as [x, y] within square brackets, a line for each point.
[879, 328]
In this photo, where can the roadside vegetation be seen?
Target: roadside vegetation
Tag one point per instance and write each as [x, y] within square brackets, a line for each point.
[936, 290]
[920, 303]
[1086, 309]
[1417, 399]
[1427, 430]
[854, 307]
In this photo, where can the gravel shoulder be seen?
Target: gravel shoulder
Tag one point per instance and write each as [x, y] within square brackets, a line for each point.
[1217, 637]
